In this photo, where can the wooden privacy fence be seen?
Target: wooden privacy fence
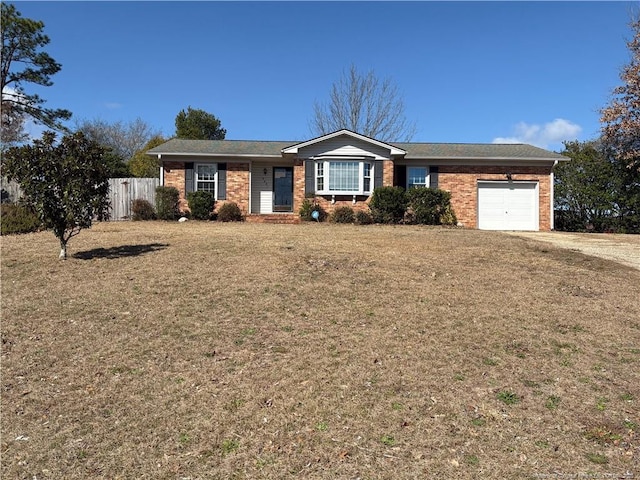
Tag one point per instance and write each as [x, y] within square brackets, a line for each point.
[122, 193]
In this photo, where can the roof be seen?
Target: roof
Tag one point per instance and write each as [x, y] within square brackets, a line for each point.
[478, 150]
[263, 148]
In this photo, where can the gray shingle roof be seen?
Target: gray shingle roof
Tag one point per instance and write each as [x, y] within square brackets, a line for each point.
[249, 148]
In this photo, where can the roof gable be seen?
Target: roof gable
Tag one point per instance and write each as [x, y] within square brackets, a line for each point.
[361, 139]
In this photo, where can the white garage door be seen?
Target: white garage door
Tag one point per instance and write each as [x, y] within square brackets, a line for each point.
[508, 206]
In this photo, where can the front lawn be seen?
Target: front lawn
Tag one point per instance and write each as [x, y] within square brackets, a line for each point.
[206, 350]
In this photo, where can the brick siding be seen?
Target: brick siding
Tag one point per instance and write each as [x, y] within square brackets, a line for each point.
[237, 184]
[462, 182]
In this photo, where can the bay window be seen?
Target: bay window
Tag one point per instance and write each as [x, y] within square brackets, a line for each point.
[343, 177]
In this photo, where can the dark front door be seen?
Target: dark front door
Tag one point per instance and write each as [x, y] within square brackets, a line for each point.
[282, 189]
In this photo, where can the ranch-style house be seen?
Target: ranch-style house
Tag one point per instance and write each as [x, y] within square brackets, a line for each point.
[492, 186]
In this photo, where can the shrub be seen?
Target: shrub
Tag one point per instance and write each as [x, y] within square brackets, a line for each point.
[343, 215]
[230, 212]
[17, 218]
[167, 203]
[142, 210]
[388, 204]
[201, 204]
[363, 218]
[308, 207]
[430, 206]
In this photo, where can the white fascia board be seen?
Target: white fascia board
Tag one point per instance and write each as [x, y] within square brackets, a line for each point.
[394, 151]
[483, 161]
[177, 157]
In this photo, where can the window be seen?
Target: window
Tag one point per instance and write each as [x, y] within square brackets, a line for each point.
[417, 177]
[320, 176]
[205, 177]
[343, 177]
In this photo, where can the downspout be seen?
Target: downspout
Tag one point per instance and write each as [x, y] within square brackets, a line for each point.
[161, 169]
[551, 194]
[250, 208]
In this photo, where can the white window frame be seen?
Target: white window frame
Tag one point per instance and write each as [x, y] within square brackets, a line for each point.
[427, 180]
[321, 171]
[196, 180]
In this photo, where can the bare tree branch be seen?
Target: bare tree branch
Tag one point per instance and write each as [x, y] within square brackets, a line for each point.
[364, 104]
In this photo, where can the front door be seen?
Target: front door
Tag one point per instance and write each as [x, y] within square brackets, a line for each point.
[282, 189]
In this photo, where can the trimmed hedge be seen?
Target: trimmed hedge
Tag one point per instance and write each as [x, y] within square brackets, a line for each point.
[230, 212]
[308, 207]
[343, 215]
[430, 206]
[388, 204]
[142, 210]
[167, 203]
[201, 204]
[17, 218]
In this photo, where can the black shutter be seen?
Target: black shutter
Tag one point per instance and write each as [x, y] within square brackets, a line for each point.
[377, 174]
[433, 177]
[309, 177]
[222, 181]
[188, 177]
[400, 176]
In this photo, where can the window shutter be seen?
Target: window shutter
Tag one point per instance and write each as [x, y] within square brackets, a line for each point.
[188, 177]
[400, 174]
[309, 177]
[222, 181]
[433, 177]
[377, 174]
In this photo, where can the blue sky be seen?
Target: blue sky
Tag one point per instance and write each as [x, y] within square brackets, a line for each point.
[535, 72]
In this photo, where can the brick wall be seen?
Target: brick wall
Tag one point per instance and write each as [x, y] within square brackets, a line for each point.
[174, 177]
[462, 182]
[298, 185]
[237, 184]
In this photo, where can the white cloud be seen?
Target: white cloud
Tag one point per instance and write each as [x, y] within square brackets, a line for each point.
[552, 133]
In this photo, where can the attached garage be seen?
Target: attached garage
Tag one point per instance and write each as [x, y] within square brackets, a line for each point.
[508, 205]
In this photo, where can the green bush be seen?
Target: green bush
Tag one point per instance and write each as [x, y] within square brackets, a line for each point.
[230, 212]
[167, 203]
[343, 215]
[142, 210]
[17, 218]
[430, 206]
[308, 207]
[388, 204]
[201, 204]
[363, 218]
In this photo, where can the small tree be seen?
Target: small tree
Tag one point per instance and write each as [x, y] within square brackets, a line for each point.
[197, 124]
[66, 183]
[143, 165]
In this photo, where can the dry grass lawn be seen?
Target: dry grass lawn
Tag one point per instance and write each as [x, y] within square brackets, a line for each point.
[205, 350]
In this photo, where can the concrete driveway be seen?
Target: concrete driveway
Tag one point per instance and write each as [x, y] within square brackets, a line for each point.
[620, 248]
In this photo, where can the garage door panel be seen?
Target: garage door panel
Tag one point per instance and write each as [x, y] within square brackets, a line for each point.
[507, 206]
